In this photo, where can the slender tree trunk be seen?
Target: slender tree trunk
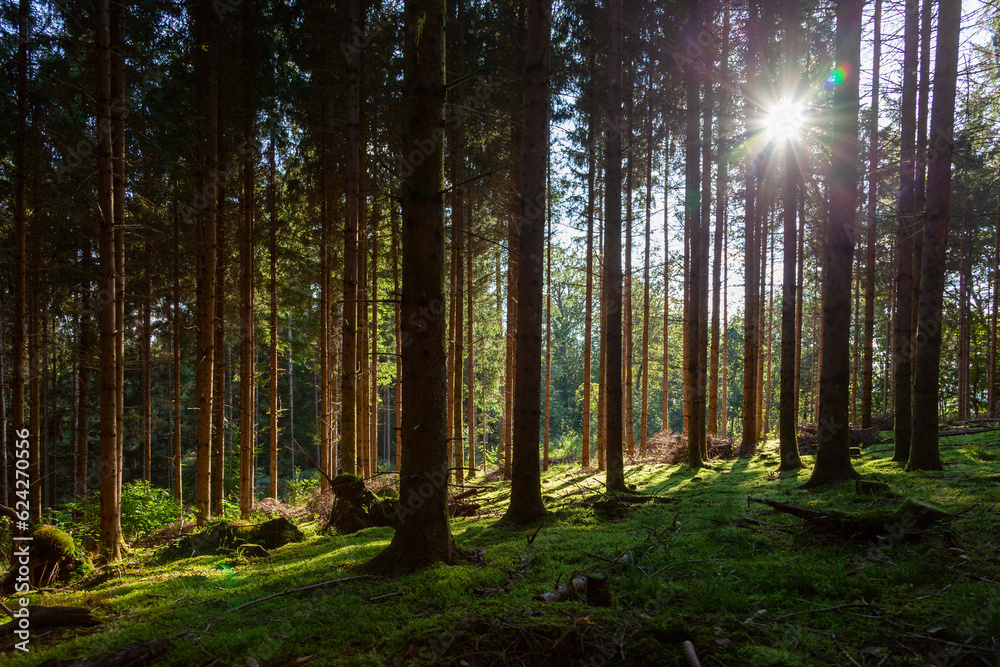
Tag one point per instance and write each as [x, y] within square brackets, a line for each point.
[218, 489]
[725, 332]
[903, 333]
[766, 395]
[272, 367]
[548, 312]
[665, 408]
[721, 186]
[627, 346]
[176, 313]
[833, 460]
[644, 409]
[20, 224]
[248, 393]
[325, 287]
[526, 495]
[147, 371]
[588, 317]
[993, 390]
[423, 536]
[349, 351]
[924, 452]
[799, 302]
[703, 250]
[36, 436]
[118, 96]
[612, 298]
[513, 266]
[207, 74]
[470, 331]
[399, 337]
[788, 443]
[110, 524]
[872, 237]
[751, 261]
[694, 389]
[85, 360]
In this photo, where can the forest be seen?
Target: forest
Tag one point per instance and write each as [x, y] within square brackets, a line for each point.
[500, 332]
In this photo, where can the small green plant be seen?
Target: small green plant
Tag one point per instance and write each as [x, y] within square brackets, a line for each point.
[144, 509]
[302, 487]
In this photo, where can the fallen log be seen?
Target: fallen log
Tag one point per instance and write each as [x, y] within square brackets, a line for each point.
[53, 617]
[133, 655]
[908, 520]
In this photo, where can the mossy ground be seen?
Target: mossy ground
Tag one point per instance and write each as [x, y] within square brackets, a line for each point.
[743, 593]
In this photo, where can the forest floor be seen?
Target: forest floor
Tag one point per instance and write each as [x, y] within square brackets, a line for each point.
[745, 584]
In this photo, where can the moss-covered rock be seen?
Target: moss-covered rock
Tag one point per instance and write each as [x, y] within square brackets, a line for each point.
[229, 536]
[356, 508]
[54, 557]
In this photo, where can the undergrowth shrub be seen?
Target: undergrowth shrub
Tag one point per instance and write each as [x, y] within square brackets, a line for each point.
[145, 509]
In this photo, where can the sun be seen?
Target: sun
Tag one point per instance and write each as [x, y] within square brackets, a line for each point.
[785, 121]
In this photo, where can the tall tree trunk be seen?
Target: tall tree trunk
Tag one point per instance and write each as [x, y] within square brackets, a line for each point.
[627, 346]
[325, 287]
[703, 250]
[799, 302]
[349, 351]
[147, 371]
[272, 366]
[218, 487]
[118, 96]
[751, 261]
[588, 316]
[787, 441]
[644, 408]
[548, 313]
[872, 237]
[725, 334]
[993, 388]
[766, 395]
[694, 391]
[902, 328]
[248, 397]
[665, 408]
[833, 460]
[207, 75]
[85, 359]
[721, 186]
[399, 337]
[612, 335]
[924, 452]
[470, 331]
[36, 437]
[513, 266]
[526, 494]
[423, 536]
[20, 223]
[176, 317]
[110, 523]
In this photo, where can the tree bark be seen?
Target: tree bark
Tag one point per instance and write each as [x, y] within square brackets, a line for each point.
[787, 441]
[588, 316]
[612, 337]
[833, 460]
[176, 345]
[423, 536]
[924, 452]
[902, 327]
[665, 408]
[147, 371]
[248, 398]
[751, 262]
[272, 366]
[694, 385]
[872, 237]
[110, 524]
[85, 359]
[721, 186]
[118, 107]
[644, 407]
[526, 495]
[20, 223]
[349, 351]
[218, 486]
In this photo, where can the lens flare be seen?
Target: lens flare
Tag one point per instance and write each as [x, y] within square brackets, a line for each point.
[838, 75]
[785, 121]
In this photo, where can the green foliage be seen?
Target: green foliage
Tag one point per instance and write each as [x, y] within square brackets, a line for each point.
[144, 510]
[302, 487]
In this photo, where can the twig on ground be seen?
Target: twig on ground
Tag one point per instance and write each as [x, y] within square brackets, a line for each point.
[305, 588]
[814, 611]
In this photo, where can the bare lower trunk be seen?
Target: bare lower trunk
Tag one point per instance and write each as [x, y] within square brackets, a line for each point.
[924, 451]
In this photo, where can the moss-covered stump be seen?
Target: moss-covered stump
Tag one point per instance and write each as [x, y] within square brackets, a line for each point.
[356, 508]
[53, 557]
[225, 536]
